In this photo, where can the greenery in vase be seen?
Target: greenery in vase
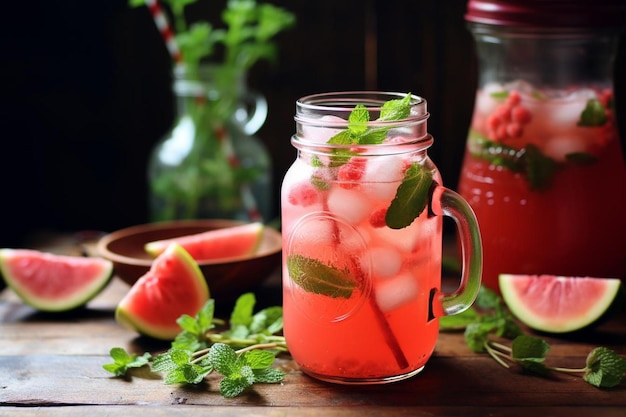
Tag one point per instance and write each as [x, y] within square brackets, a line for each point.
[224, 54]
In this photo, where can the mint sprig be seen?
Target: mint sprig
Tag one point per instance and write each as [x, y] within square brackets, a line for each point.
[359, 133]
[199, 349]
[413, 193]
[538, 169]
[489, 319]
[124, 361]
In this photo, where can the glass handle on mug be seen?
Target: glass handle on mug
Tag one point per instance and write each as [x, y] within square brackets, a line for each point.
[454, 206]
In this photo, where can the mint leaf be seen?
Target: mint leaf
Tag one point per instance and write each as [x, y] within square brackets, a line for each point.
[605, 368]
[488, 299]
[342, 138]
[496, 153]
[477, 335]
[179, 368]
[319, 278]
[267, 321]
[223, 358]
[529, 348]
[233, 386]
[374, 136]
[258, 359]
[593, 115]
[268, 375]
[458, 321]
[246, 328]
[581, 158]
[411, 197]
[123, 361]
[539, 168]
[242, 312]
[357, 121]
[396, 109]
[192, 338]
[240, 372]
[499, 94]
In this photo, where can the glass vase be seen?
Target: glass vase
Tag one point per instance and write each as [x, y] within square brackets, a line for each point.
[210, 164]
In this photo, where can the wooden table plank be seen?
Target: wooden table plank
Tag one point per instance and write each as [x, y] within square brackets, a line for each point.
[69, 379]
[53, 362]
[226, 411]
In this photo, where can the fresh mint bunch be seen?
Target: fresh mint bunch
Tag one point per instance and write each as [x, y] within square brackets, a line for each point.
[199, 349]
[489, 319]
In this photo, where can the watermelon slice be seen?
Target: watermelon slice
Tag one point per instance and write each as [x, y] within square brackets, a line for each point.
[173, 286]
[229, 242]
[51, 282]
[558, 304]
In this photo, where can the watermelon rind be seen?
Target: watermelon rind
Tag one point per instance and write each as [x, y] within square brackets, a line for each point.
[52, 282]
[173, 286]
[227, 242]
[558, 304]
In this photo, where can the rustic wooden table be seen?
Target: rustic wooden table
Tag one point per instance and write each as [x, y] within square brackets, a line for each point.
[51, 364]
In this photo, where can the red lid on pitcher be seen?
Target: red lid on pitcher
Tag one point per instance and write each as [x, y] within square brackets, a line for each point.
[548, 13]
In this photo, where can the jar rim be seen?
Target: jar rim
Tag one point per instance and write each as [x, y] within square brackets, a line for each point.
[386, 148]
[310, 108]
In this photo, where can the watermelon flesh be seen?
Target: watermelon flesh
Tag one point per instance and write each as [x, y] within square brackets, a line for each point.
[173, 286]
[229, 242]
[558, 304]
[51, 282]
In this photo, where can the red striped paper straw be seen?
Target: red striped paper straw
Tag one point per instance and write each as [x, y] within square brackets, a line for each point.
[165, 29]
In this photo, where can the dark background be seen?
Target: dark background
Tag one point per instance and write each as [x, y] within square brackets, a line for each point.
[86, 95]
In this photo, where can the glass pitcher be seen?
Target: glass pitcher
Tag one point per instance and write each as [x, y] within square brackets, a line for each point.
[544, 167]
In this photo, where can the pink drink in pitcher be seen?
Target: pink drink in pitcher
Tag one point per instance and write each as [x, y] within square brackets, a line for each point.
[545, 174]
[362, 293]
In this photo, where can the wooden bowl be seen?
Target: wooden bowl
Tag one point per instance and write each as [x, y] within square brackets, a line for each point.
[227, 278]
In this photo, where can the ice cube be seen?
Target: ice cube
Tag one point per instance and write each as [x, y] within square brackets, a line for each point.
[560, 146]
[382, 177]
[319, 132]
[386, 261]
[394, 292]
[349, 204]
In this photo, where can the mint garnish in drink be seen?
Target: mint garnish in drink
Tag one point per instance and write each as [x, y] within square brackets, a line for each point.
[413, 193]
[411, 197]
[316, 277]
[358, 133]
[594, 114]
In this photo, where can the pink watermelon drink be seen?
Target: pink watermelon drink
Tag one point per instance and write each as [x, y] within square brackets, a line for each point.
[361, 260]
[545, 174]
